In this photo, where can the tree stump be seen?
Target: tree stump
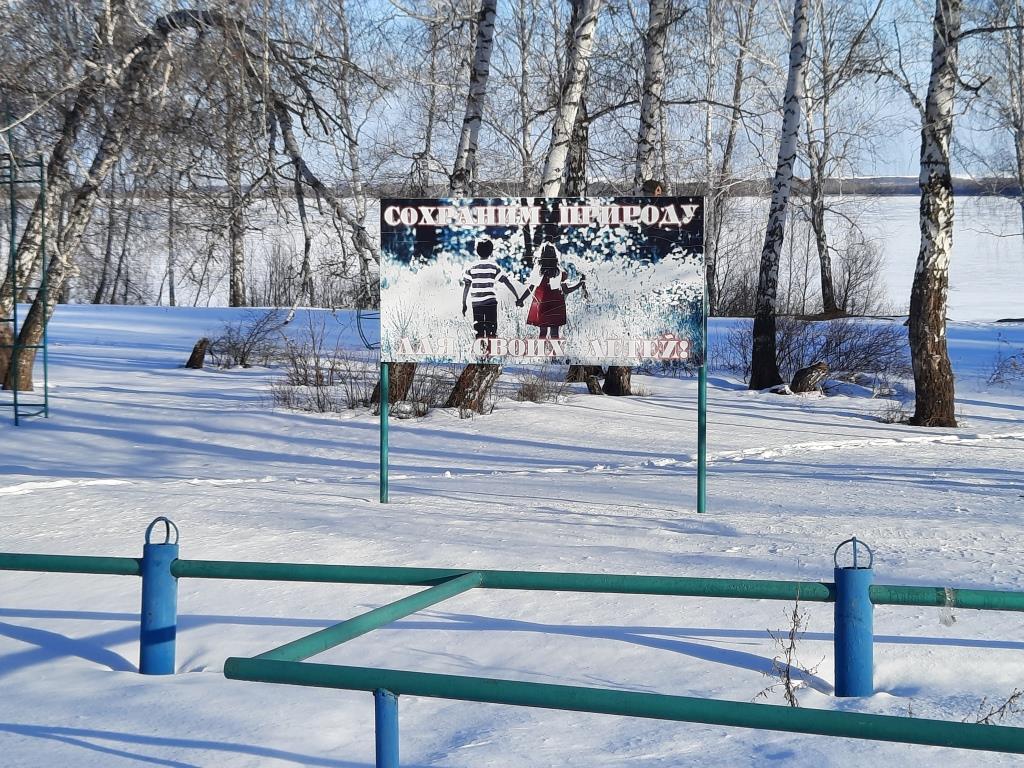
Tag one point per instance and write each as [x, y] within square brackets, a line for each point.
[400, 378]
[198, 357]
[809, 379]
[619, 381]
[6, 343]
[594, 385]
[578, 374]
[473, 386]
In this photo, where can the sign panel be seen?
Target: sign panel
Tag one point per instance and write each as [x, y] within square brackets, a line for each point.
[594, 281]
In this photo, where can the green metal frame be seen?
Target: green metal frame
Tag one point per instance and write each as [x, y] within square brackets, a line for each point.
[286, 664]
[12, 177]
[540, 581]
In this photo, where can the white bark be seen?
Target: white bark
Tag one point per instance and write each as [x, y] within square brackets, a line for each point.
[764, 370]
[577, 66]
[653, 88]
[464, 174]
[933, 375]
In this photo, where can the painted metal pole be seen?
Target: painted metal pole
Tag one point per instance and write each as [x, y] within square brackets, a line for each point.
[702, 413]
[385, 397]
[854, 630]
[159, 619]
[320, 641]
[385, 709]
[13, 231]
[909, 730]
[44, 287]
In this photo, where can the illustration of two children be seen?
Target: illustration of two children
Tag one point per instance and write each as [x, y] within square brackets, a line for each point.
[547, 310]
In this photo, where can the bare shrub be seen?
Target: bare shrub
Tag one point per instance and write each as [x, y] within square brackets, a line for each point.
[252, 340]
[539, 387]
[858, 279]
[846, 345]
[322, 377]
[894, 412]
[791, 675]
[430, 387]
[1008, 366]
[990, 714]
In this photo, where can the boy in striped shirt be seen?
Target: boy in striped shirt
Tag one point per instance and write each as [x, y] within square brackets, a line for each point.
[479, 287]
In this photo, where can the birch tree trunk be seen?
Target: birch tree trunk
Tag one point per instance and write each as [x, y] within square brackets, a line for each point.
[1014, 45]
[653, 88]
[476, 379]
[575, 180]
[172, 234]
[764, 369]
[618, 381]
[577, 67]
[236, 206]
[464, 172]
[933, 374]
[134, 76]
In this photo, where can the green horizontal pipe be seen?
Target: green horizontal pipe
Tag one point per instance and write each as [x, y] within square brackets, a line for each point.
[821, 592]
[327, 638]
[531, 580]
[980, 599]
[313, 572]
[633, 704]
[116, 566]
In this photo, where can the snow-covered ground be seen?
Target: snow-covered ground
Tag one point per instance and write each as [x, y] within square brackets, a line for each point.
[593, 484]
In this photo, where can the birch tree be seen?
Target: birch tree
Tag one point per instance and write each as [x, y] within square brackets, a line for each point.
[933, 375]
[764, 369]
[463, 177]
[651, 93]
[131, 88]
[570, 96]
[476, 380]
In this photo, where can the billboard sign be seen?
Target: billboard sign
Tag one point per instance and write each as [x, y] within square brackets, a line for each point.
[595, 281]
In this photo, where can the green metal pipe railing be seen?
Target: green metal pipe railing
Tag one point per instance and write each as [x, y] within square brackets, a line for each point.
[633, 704]
[318, 642]
[683, 586]
[112, 566]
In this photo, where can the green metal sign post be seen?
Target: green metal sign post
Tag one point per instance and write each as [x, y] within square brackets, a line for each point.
[702, 414]
[385, 398]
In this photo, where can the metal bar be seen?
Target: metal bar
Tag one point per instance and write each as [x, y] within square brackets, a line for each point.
[337, 634]
[44, 288]
[632, 704]
[527, 580]
[385, 711]
[113, 566]
[385, 403]
[702, 412]
[979, 599]
[13, 267]
[816, 592]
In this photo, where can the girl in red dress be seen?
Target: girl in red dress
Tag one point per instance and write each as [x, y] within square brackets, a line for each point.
[547, 312]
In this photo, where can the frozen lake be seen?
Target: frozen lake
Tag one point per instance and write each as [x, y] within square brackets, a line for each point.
[986, 276]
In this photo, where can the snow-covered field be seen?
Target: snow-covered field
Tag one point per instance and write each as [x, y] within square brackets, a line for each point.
[594, 484]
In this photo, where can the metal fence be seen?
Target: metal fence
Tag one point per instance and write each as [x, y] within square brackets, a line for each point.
[852, 592]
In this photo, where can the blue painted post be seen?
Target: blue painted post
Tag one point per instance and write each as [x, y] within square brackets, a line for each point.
[854, 625]
[385, 708]
[159, 619]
